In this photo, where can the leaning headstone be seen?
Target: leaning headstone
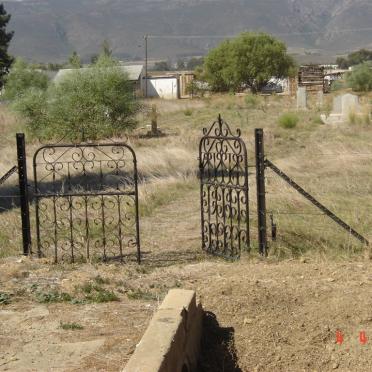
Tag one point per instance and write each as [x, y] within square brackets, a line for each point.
[301, 98]
[343, 106]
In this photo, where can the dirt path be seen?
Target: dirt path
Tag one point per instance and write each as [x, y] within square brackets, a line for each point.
[172, 234]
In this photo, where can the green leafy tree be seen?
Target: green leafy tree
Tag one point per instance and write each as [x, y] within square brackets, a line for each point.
[355, 58]
[360, 79]
[74, 61]
[161, 66]
[194, 62]
[250, 60]
[5, 38]
[97, 102]
[23, 77]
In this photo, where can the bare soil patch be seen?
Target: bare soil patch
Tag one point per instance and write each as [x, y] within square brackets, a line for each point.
[279, 316]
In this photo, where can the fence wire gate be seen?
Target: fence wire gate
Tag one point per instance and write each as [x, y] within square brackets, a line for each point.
[345, 196]
[223, 167]
[86, 199]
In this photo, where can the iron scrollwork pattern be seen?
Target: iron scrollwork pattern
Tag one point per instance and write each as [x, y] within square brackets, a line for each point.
[86, 199]
[223, 168]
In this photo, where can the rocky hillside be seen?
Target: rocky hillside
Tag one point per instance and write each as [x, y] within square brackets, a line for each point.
[49, 30]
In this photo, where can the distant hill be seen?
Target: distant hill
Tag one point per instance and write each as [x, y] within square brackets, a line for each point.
[49, 30]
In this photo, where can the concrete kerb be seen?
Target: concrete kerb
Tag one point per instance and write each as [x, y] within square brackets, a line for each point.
[171, 342]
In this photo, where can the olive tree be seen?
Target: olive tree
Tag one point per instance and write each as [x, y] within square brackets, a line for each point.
[93, 103]
[360, 79]
[250, 60]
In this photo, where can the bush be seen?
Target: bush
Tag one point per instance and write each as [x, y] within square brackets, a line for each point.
[360, 79]
[95, 103]
[337, 85]
[23, 77]
[288, 120]
[248, 61]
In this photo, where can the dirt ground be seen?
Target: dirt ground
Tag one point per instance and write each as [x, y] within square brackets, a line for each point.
[277, 315]
[283, 316]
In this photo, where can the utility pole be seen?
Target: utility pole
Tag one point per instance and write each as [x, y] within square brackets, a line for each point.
[146, 37]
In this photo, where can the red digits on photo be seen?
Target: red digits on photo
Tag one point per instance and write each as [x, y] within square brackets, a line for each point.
[362, 337]
[339, 337]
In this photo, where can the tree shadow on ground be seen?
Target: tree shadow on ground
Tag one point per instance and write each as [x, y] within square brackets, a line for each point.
[218, 353]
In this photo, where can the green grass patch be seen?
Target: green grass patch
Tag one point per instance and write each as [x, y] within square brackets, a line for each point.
[139, 294]
[53, 297]
[288, 120]
[4, 298]
[71, 326]
[96, 293]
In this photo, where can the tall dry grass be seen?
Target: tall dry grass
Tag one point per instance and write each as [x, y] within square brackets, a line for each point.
[332, 163]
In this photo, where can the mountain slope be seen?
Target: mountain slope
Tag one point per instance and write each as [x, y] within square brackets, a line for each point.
[50, 29]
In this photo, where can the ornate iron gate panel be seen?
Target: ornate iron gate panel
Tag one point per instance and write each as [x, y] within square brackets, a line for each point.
[223, 167]
[86, 202]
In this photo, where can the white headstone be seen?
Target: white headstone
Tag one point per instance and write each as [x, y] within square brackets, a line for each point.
[342, 107]
[350, 103]
[301, 98]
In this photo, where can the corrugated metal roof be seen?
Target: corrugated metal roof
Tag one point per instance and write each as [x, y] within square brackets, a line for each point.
[133, 71]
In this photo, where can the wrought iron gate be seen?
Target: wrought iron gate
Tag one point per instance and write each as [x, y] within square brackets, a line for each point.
[86, 202]
[223, 167]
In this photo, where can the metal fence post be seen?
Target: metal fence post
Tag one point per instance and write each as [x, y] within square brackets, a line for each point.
[23, 191]
[261, 193]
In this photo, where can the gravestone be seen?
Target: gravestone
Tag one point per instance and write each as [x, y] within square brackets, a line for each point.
[154, 132]
[343, 106]
[154, 121]
[350, 103]
[301, 98]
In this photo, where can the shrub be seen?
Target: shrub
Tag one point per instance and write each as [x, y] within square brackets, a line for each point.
[337, 85]
[95, 103]
[23, 77]
[360, 79]
[288, 120]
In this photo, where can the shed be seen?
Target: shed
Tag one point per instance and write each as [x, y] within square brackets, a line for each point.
[169, 85]
[134, 72]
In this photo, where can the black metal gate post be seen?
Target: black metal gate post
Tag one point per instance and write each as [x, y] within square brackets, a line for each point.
[23, 191]
[261, 193]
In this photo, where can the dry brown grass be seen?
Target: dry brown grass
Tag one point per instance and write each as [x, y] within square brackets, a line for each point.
[333, 163]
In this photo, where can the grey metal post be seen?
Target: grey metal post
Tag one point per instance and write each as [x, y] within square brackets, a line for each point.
[23, 191]
[261, 193]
